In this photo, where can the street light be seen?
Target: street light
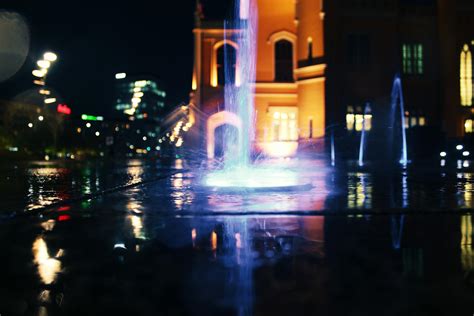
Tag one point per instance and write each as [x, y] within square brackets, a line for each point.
[49, 56]
[43, 64]
[49, 100]
[39, 73]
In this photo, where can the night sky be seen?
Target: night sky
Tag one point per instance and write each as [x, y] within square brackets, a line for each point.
[96, 39]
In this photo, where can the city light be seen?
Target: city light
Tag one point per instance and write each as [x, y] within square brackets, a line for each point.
[44, 64]
[49, 100]
[144, 138]
[38, 73]
[97, 134]
[40, 118]
[120, 75]
[44, 92]
[49, 56]
[443, 154]
[86, 117]
[459, 147]
[30, 125]
[64, 109]
[466, 153]
[88, 125]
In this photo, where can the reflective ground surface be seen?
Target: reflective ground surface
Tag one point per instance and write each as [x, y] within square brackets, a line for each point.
[359, 243]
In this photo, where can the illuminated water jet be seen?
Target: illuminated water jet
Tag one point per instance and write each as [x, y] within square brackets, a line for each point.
[238, 173]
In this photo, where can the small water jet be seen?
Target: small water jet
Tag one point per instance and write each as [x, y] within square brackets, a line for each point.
[333, 150]
[397, 97]
[363, 137]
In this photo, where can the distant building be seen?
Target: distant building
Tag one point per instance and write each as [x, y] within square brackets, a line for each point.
[139, 98]
[140, 103]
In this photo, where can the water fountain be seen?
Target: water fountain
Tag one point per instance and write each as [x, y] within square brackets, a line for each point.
[363, 137]
[397, 96]
[333, 150]
[238, 172]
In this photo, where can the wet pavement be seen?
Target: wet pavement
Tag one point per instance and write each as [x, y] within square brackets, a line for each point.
[358, 243]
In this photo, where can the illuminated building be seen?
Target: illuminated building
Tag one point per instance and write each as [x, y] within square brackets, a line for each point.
[290, 75]
[139, 98]
[428, 42]
[140, 102]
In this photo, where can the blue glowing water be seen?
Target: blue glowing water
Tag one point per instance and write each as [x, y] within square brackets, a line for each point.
[397, 97]
[333, 150]
[363, 137]
[239, 88]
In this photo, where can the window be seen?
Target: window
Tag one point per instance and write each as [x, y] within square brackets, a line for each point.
[468, 126]
[284, 125]
[226, 64]
[466, 76]
[358, 50]
[412, 55]
[358, 121]
[283, 61]
[414, 120]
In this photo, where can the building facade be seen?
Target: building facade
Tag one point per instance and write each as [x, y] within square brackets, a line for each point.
[327, 67]
[140, 109]
[290, 75]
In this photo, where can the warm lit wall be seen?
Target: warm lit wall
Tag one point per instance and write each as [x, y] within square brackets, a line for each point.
[274, 16]
[311, 102]
[310, 25]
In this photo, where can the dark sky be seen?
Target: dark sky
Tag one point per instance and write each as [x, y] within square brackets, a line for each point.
[96, 39]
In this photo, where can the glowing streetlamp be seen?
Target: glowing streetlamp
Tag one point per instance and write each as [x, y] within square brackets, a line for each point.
[43, 64]
[39, 73]
[49, 56]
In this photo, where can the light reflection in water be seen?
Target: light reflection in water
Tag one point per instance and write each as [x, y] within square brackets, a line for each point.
[404, 190]
[40, 192]
[135, 218]
[359, 187]
[193, 236]
[181, 194]
[48, 267]
[135, 173]
[467, 259]
[465, 190]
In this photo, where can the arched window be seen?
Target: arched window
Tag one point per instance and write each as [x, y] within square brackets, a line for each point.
[283, 61]
[226, 64]
[466, 76]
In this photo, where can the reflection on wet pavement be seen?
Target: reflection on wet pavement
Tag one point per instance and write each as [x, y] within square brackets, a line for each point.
[172, 247]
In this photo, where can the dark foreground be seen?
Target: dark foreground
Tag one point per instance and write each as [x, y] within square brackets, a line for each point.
[366, 247]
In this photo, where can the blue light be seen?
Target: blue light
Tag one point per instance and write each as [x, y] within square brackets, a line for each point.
[244, 177]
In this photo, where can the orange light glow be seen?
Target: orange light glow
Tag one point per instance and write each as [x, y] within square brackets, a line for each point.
[214, 241]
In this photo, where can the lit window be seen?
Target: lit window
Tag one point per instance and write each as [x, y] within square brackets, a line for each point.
[421, 121]
[284, 126]
[468, 126]
[406, 122]
[413, 121]
[466, 76]
[350, 119]
[358, 121]
[412, 57]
